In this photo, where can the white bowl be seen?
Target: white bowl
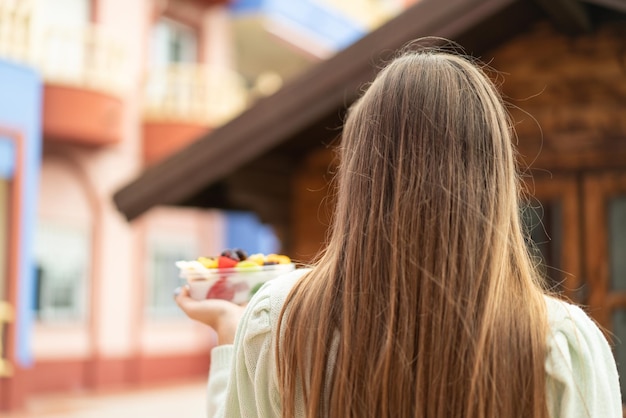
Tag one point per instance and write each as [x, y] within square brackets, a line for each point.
[237, 284]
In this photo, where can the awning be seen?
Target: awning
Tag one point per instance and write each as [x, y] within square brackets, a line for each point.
[248, 163]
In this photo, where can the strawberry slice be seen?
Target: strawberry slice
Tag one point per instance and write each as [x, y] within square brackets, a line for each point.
[221, 290]
[224, 262]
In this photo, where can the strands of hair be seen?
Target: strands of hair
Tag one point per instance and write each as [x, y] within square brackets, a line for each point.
[425, 302]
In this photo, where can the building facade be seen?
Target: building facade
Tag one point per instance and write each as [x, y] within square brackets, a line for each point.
[561, 71]
[92, 92]
[20, 153]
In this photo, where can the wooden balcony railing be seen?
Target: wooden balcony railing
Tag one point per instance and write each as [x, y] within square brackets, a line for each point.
[15, 24]
[194, 93]
[85, 57]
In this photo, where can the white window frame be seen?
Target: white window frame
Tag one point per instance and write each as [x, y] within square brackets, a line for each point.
[166, 31]
[162, 280]
[63, 251]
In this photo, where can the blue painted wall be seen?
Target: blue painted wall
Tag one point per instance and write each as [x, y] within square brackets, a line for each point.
[245, 231]
[330, 26]
[20, 109]
[7, 158]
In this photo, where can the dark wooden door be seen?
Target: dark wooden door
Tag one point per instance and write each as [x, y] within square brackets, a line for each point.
[605, 258]
[584, 250]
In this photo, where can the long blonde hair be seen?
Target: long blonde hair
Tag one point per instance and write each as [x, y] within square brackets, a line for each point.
[425, 302]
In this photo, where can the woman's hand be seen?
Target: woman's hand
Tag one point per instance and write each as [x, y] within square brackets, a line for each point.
[221, 315]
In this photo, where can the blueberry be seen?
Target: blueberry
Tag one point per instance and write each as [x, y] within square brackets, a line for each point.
[232, 254]
[241, 254]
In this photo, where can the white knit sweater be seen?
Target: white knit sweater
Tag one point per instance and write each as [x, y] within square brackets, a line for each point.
[582, 378]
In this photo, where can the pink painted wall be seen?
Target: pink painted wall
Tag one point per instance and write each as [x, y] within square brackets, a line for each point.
[77, 185]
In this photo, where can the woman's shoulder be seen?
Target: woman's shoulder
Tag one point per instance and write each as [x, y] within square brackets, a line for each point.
[581, 373]
[566, 316]
[278, 288]
[281, 286]
[271, 296]
[570, 324]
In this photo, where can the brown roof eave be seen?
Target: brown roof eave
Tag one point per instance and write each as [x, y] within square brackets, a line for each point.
[328, 87]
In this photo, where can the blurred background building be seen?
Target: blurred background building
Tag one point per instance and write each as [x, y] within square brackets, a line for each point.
[92, 92]
[211, 121]
[561, 67]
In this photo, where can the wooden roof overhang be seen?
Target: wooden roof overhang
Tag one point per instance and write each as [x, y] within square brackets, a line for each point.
[248, 163]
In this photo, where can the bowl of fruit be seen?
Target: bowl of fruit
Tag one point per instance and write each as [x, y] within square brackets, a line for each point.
[233, 275]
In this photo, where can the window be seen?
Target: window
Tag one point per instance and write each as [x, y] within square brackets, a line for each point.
[62, 266]
[173, 42]
[172, 88]
[617, 262]
[617, 241]
[543, 223]
[163, 276]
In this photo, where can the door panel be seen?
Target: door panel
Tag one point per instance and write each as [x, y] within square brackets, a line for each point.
[605, 239]
[605, 256]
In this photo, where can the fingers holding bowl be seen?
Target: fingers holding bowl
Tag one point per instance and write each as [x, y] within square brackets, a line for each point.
[219, 314]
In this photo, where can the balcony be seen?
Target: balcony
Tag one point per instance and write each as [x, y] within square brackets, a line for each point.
[184, 101]
[83, 71]
[84, 78]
